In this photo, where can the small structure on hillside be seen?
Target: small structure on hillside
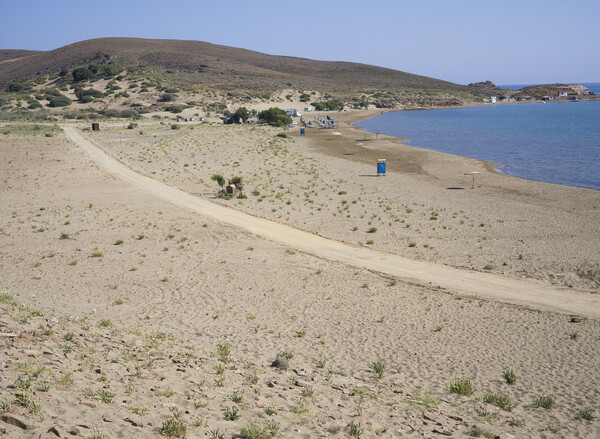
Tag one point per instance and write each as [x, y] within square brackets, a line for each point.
[563, 94]
[492, 99]
[95, 126]
[232, 190]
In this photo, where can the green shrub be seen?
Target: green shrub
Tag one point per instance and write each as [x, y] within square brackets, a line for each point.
[461, 386]
[501, 401]
[82, 74]
[33, 104]
[252, 431]
[586, 413]
[241, 115]
[544, 401]
[15, 87]
[509, 376]
[174, 427]
[92, 92]
[378, 368]
[52, 92]
[275, 116]
[328, 105]
[59, 101]
[110, 71]
[175, 108]
[237, 182]
[167, 97]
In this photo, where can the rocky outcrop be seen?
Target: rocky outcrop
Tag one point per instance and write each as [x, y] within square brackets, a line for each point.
[538, 91]
[486, 85]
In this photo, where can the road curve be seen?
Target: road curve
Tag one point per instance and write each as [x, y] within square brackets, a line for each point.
[485, 285]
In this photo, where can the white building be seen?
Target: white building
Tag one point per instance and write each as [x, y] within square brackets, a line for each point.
[492, 99]
[563, 94]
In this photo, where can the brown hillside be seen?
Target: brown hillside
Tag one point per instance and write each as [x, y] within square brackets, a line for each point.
[12, 55]
[217, 66]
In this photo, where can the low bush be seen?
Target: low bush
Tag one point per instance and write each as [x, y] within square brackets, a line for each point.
[59, 101]
[501, 401]
[276, 117]
[33, 104]
[328, 105]
[82, 74]
[461, 386]
[167, 97]
[544, 401]
[16, 87]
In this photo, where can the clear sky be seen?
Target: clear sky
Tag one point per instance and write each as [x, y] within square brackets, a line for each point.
[508, 42]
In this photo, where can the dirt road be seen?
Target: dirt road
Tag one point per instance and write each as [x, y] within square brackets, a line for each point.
[485, 285]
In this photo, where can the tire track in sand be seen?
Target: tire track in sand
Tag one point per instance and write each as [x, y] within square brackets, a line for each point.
[486, 285]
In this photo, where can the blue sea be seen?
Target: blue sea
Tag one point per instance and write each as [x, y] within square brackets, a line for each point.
[555, 142]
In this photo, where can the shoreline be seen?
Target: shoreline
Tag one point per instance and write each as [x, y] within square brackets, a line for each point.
[420, 176]
[490, 165]
[349, 124]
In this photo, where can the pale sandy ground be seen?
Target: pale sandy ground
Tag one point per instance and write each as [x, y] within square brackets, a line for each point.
[425, 211]
[483, 285]
[188, 283]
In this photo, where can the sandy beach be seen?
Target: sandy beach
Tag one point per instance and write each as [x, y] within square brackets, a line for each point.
[178, 316]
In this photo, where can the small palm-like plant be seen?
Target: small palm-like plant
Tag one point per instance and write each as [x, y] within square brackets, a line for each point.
[509, 376]
[354, 429]
[219, 179]
[231, 413]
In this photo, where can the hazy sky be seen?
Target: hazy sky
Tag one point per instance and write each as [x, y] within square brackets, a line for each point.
[508, 42]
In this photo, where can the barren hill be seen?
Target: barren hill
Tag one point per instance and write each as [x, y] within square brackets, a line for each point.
[216, 66]
[9, 55]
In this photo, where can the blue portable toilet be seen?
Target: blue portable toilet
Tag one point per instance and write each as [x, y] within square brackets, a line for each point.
[302, 132]
[381, 167]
